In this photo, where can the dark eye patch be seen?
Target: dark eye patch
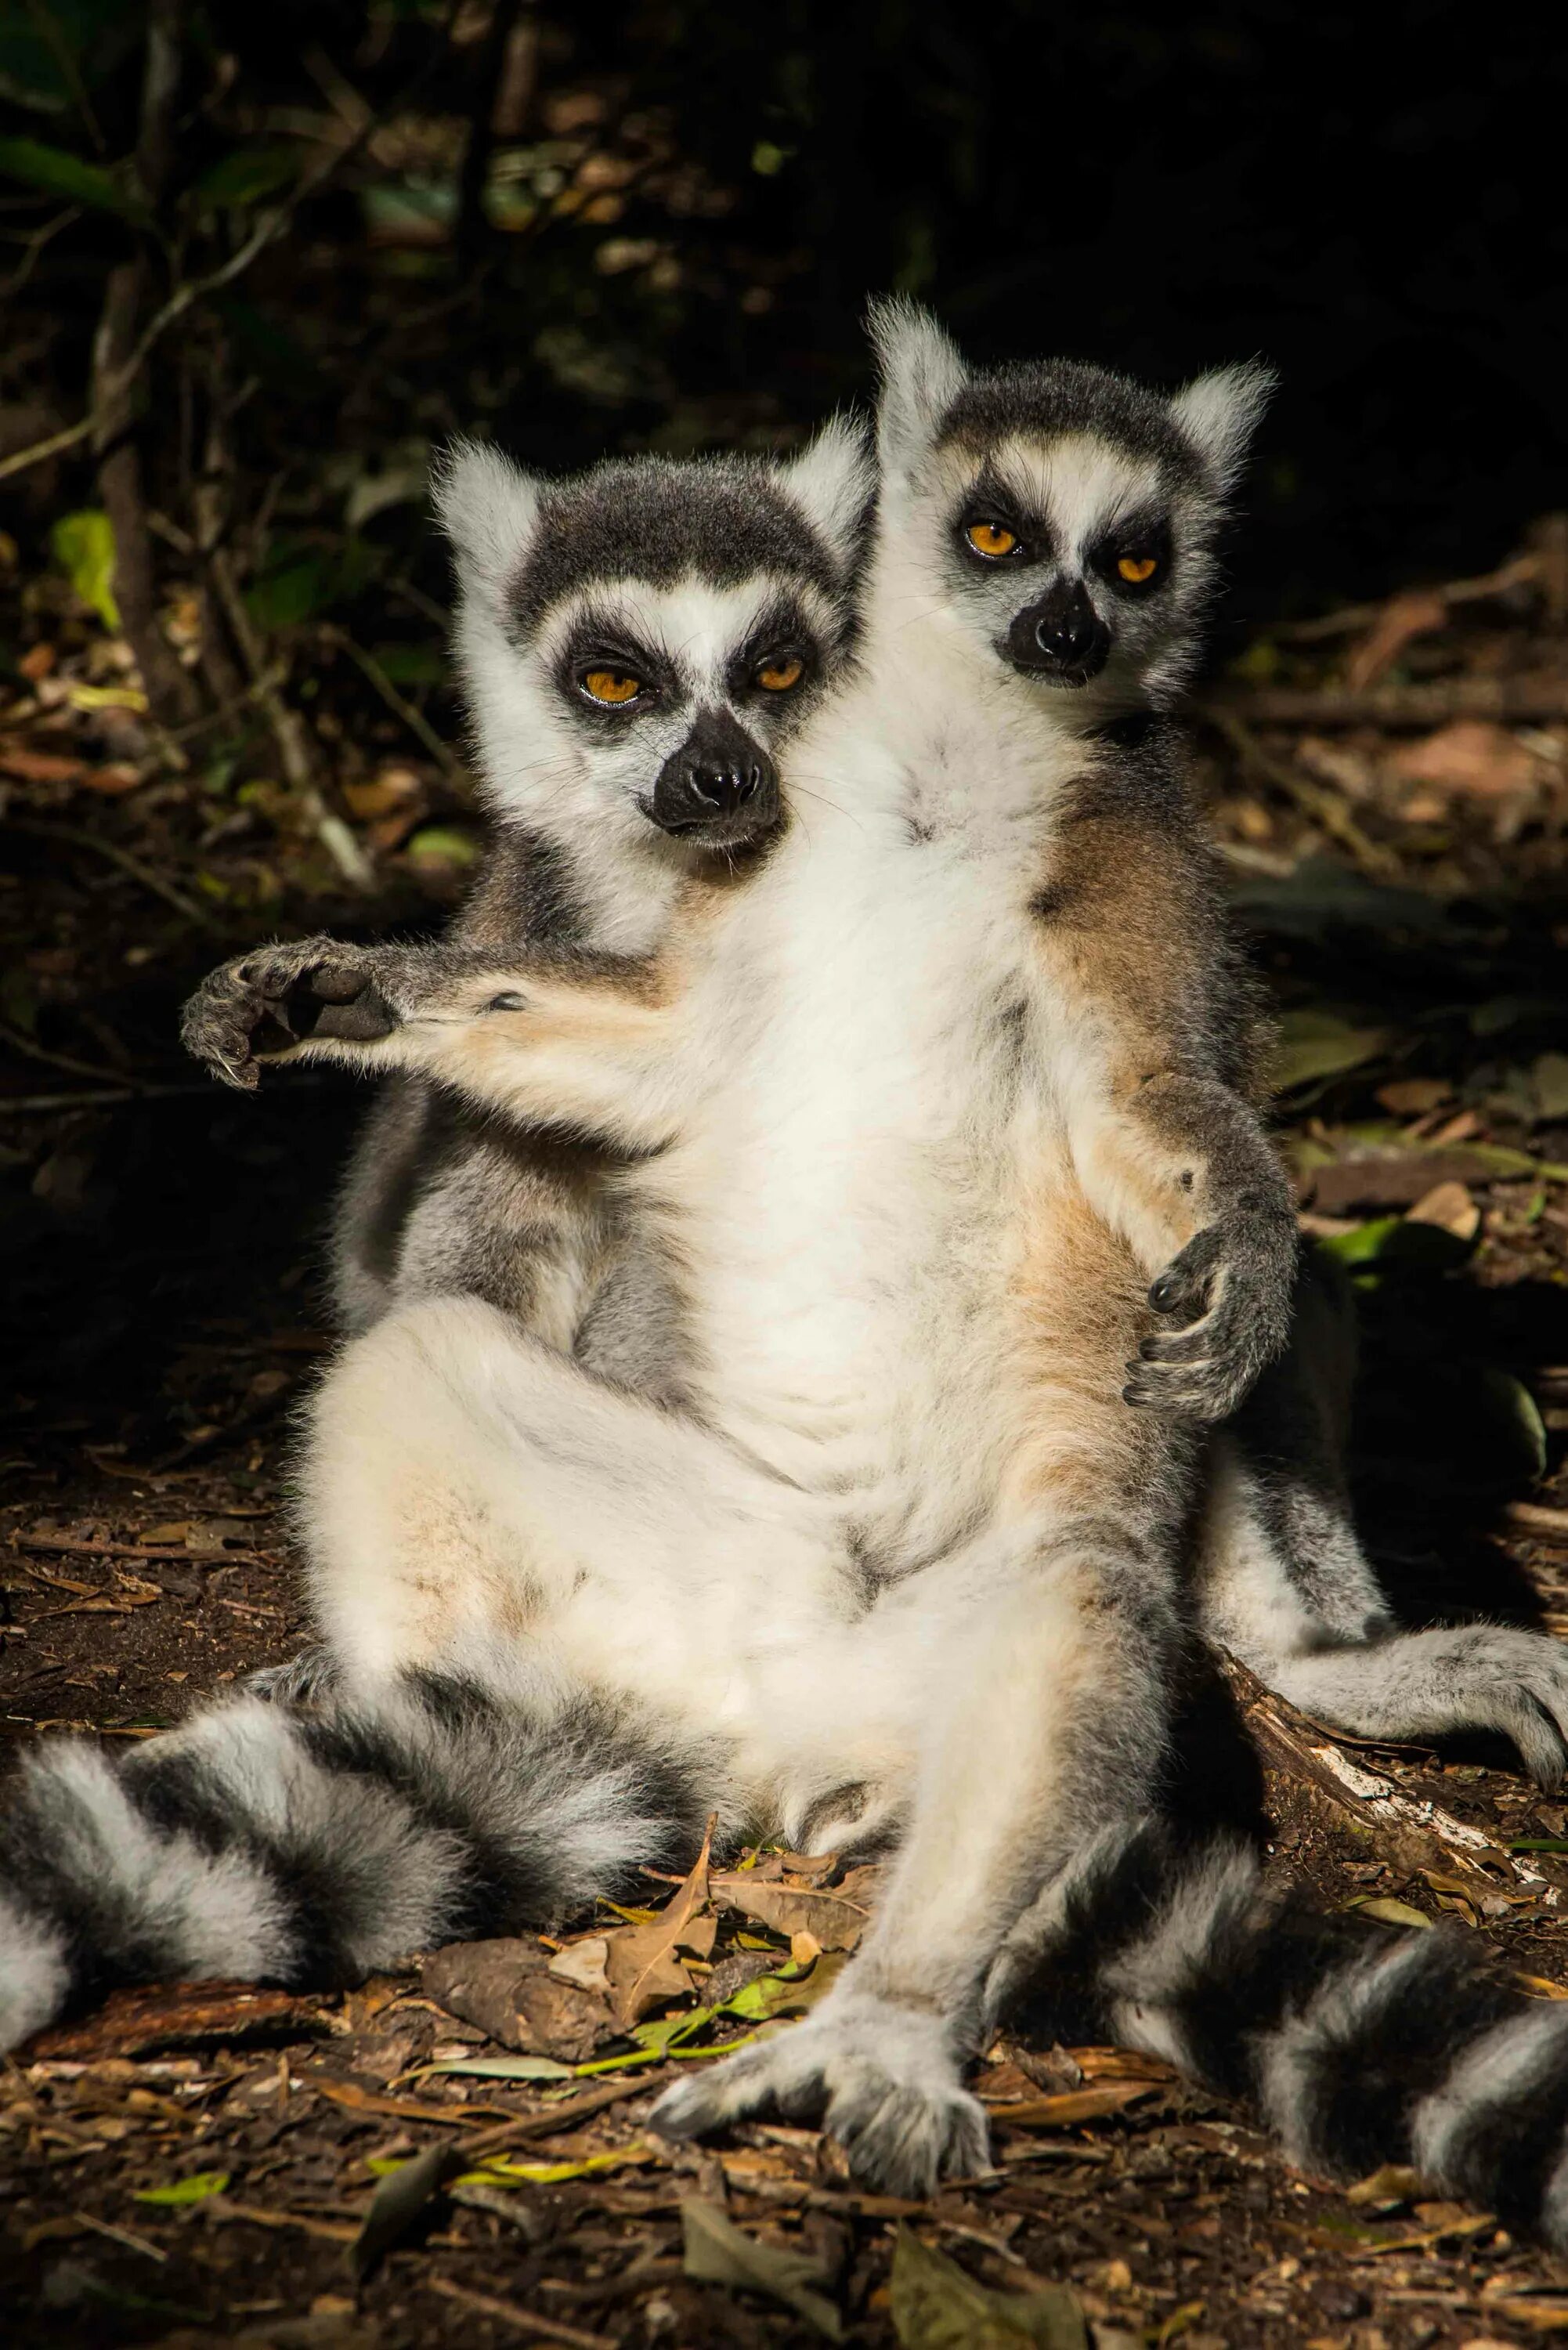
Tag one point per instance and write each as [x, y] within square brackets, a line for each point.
[780, 629]
[989, 500]
[1139, 534]
[603, 641]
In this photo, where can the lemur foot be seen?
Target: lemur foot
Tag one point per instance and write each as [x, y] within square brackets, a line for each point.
[299, 1681]
[1231, 1287]
[884, 2079]
[1464, 1677]
[263, 1005]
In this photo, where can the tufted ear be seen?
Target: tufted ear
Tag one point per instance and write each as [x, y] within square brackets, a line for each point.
[488, 507]
[1219, 413]
[833, 481]
[922, 375]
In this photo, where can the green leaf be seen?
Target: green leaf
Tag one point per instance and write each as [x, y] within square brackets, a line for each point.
[411, 664]
[1512, 1403]
[715, 2252]
[83, 546]
[443, 844]
[1538, 1843]
[1394, 1244]
[1391, 1913]
[500, 2068]
[244, 175]
[180, 2191]
[938, 2306]
[1316, 1042]
[60, 173]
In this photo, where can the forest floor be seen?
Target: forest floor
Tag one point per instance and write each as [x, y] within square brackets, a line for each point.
[204, 2165]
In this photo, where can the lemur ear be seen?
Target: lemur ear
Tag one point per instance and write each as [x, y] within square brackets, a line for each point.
[922, 374]
[833, 481]
[487, 506]
[1219, 413]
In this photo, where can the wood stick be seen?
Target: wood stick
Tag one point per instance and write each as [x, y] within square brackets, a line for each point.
[1527, 699]
[1411, 1833]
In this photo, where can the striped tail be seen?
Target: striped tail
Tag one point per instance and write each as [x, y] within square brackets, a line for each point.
[306, 1849]
[1358, 2043]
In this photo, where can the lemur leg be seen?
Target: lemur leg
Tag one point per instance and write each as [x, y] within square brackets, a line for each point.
[474, 1502]
[1043, 1661]
[1283, 1582]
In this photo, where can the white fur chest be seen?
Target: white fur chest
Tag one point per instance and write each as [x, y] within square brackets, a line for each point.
[848, 1198]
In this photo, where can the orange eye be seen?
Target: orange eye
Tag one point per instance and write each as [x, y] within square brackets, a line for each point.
[611, 685]
[992, 538]
[780, 674]
[1135, 569]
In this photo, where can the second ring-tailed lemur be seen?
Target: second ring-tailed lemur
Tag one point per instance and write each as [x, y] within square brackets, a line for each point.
[915, 1114]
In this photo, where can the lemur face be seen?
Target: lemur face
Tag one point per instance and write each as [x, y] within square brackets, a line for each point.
[642, 641]
[1064, 515]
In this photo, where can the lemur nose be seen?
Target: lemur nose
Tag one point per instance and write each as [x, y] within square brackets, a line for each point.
[725, 787]
[1068, 635]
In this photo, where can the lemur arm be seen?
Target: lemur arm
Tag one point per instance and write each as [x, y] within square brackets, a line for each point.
[1170, 1148]
[590, 1042]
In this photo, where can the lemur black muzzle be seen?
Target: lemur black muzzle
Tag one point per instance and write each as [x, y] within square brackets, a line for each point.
[720, 790]
[1062, 638]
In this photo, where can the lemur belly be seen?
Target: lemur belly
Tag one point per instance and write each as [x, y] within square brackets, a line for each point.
[894, 1282]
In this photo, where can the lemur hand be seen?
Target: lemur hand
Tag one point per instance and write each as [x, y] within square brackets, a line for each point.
[1231, 1288]
[266, 1004]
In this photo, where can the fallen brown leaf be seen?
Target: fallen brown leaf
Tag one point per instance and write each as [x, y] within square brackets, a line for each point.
[38, 766]
[834, 1920]
[1470, 756]
[1401, 620]
[505, 1988]
[640, 1963]
[1448, 1206]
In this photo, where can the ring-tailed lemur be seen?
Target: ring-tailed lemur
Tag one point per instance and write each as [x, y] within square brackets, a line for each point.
[913, 1562]
[604, 822]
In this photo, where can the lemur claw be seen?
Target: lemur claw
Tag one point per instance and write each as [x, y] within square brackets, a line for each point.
[263, 1004]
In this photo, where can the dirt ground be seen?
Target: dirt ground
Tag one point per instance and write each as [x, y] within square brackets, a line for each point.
[198, 2167]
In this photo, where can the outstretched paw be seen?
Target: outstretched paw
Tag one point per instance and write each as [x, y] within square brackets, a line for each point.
[266, 1004]
[1228, 1295]
[882, 2079]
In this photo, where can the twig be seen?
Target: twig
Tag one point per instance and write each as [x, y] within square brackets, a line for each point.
[511, 2312]
[33, 1051]
[97, 1098]
[1507, 701]
[67, 1546]
[270, 225]
[1518, 572]
[1535, 1518]
[32, 246]
[1315, 801]
[1412, 1835]
[73, 838]
[288, 733]
[416, 722]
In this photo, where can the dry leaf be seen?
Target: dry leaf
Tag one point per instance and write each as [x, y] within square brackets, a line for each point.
[936, 2305]
[834, 1920]
[1450, 1207]
[1403, 618]
[504, 1988]
[641, 1965]
[581, 1963]
[38, 766]
[1415, 1096]
[398, 2202]
[716, 2251]
[1471, 756]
